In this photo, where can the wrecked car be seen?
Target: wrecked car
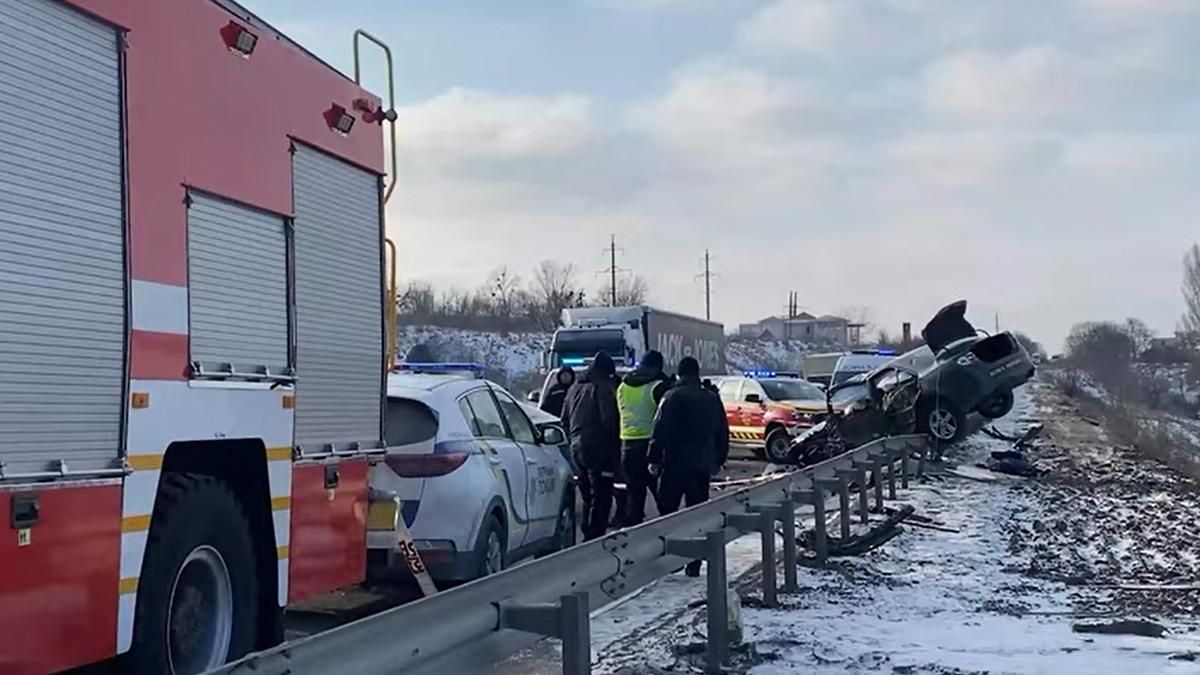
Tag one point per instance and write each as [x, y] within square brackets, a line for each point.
[963, 370]
[860, 410]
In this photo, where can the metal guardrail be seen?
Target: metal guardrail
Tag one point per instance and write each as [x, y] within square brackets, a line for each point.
[469, 628]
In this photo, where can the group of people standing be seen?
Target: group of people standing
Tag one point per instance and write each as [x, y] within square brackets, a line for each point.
[666, 436]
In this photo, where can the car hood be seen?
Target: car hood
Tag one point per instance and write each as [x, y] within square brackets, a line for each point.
[805, 405]
[948, 325]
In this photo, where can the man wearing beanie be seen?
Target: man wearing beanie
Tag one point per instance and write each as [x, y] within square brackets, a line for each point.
[591, 419]
[690, 442]
[637, 399]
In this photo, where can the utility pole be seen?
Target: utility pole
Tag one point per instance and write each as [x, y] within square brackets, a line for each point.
[612, 249]
[707, 288]
[997, 323]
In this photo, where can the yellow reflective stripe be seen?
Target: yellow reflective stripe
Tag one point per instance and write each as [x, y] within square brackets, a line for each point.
[145, 462]
[135, 523]
[281, 503]
[278, 454]
[127, 585]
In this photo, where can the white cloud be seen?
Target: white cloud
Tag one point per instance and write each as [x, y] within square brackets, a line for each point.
[818, 27]
[1046, 83]
[462, 125]
[653, 6]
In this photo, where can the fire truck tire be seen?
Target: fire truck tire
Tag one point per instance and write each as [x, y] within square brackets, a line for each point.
[197, 603]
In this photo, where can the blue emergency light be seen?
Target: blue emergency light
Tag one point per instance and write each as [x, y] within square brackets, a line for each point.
[574, 361]
[759, 373]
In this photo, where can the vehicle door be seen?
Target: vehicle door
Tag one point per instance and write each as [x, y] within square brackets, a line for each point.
[545, 469]
[754, 412]
[730, 390]
[505, 457]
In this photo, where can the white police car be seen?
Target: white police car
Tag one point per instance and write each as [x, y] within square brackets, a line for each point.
[480, 485]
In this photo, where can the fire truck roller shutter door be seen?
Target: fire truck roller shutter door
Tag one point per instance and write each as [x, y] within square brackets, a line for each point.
[237, 285]
[339, 324]
[62, 259]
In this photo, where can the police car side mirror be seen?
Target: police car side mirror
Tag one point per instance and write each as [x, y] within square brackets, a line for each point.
[533, 396]
[553, 436]
[753, 398]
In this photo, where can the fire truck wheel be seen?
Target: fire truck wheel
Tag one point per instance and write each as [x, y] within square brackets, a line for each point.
[197, 597]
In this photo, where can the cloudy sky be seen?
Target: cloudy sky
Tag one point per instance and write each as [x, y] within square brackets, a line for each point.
[1040, 158]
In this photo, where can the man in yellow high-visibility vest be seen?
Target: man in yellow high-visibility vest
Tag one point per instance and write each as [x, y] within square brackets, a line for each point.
[637, 400]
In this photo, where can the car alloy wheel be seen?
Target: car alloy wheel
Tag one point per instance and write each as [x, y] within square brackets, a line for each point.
[943, 425]
[778, 446]
[493, 561]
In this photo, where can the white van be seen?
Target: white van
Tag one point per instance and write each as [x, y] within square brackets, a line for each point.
[860, 361]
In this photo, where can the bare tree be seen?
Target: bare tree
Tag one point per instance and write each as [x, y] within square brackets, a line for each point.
[1032, 346]
[553, 289]
[859, 314]
[1191, 291]
[1140, 335]
[632, 289]
[505, 290]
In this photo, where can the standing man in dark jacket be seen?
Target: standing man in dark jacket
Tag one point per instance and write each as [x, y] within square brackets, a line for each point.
[691, 443]
[637, 399]
[591, 419]
[557, 393]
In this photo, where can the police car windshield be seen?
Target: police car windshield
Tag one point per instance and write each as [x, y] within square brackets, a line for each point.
[786, 390]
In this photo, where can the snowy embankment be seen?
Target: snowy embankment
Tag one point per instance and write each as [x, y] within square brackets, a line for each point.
[1016, 568]
[514, 359]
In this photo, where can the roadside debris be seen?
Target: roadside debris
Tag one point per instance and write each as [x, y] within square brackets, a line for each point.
[1124, 627]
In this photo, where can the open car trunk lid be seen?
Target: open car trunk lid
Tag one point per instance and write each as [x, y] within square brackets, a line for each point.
[948, 325]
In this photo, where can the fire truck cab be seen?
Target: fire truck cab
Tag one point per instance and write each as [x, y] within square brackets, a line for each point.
[193, 339]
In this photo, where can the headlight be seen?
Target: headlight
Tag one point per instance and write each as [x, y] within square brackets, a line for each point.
[802, 417]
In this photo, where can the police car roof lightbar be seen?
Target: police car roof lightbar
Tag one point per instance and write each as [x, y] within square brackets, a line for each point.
[769, 373]
[877, 352]
[439, 367]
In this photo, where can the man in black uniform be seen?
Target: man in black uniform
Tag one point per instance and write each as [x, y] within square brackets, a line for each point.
[590, 417]
[691, 443]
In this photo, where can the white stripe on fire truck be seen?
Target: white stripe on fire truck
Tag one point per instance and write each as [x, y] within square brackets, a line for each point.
[161, 308]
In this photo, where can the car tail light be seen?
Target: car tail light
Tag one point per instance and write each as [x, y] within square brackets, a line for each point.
[426, 466]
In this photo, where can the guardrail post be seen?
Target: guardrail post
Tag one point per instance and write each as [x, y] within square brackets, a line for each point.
[820, 534]
[787, 514]
[568, 621]
[844, 506]
[764, 523]
[891, 472]
[920, 461]
[904, 468]
[877, 479]
[860, 480]
[712, 549]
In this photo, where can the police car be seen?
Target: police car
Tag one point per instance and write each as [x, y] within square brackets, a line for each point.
[860, 361]
[480, 485]
[766, 409]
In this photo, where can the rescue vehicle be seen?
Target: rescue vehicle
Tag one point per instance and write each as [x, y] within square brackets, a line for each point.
[192, 351]
[766, 409]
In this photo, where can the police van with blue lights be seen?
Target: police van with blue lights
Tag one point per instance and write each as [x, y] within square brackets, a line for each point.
[860, 361]
[480, 478]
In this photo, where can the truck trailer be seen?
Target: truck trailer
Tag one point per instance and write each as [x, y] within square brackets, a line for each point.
[627, 333]
[192, 354]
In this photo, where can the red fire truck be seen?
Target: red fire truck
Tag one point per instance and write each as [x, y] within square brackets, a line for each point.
[192, 332]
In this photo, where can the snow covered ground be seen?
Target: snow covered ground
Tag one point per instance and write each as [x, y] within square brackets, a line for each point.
[1025, 562]
[514, 358]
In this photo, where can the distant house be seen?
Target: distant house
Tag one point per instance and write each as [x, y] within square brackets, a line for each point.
[804, 327]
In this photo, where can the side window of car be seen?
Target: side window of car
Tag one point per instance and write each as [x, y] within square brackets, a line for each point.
[469, 416]
[488, 423]
[729, 390]
[522, 430]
